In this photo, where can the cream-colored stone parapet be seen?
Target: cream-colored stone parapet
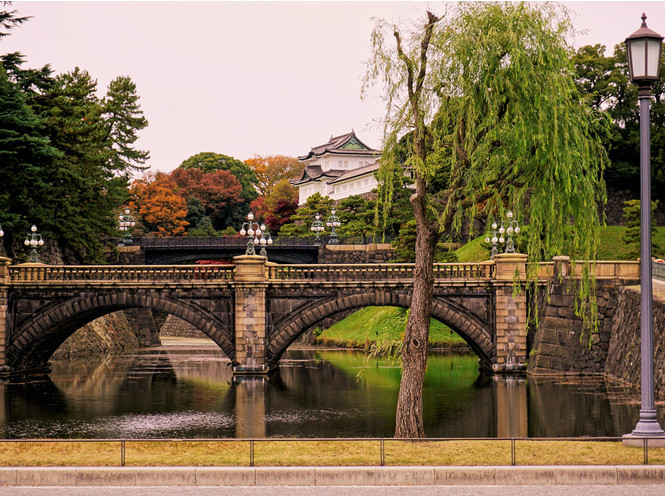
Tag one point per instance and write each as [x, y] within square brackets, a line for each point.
[507, 264]
[4, 269]
[250, 268]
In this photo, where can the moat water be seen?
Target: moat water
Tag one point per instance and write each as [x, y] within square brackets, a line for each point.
[180, 391]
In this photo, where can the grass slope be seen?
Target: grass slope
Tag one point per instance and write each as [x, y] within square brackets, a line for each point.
[369, 325]
[611, 246]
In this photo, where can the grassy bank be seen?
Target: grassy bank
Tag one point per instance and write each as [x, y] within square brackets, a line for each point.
[323, 453]
[611, 246]
[370, 325]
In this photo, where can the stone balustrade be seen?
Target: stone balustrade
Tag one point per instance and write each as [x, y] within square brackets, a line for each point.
[369, 272]
[602, 269]
[31, 273]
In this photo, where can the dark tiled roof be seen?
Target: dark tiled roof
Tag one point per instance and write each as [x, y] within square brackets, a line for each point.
[360, 171]
[335, 146]
[313, 172]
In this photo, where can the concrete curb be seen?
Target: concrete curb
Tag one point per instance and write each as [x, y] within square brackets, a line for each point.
[331, 476]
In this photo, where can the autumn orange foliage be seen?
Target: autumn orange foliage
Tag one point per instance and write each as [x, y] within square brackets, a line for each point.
[162, 210]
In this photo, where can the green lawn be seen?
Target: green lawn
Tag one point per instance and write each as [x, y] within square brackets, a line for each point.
[365, 327]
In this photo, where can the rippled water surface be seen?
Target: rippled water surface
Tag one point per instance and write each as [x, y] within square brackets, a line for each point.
[184, 392]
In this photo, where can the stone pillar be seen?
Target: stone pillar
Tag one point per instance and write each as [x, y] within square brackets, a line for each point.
[510, 313]
[250, 315]
[4, 315]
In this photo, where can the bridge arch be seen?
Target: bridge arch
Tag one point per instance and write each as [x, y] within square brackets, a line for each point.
[472, 329]
[37, 339]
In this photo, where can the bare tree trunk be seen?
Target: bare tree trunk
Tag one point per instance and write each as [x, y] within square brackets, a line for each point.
[409, 415]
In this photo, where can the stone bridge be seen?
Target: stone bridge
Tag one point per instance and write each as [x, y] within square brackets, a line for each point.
[254, 310]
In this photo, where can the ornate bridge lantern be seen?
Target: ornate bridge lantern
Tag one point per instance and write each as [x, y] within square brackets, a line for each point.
[33, 240]
[255, 233]
[317, 227]
[332, 223]
[125, 224]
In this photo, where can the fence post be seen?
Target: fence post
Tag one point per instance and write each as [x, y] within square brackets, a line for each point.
[122, 453]
[383, 452]
[251, 452]
[513, 455]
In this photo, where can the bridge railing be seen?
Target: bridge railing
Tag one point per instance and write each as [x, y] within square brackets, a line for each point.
[602, 269]
[369, 272]
[116, 273]
[658, 270]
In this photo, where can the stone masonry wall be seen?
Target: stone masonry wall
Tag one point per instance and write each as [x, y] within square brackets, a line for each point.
[107, 334]
[623, 361]
[360, 254]
[560, 346]
[175, 327]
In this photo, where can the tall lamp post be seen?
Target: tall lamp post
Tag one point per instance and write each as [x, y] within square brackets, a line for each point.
[33, 240]
[317, 227]
[332, 223]
[643, 49]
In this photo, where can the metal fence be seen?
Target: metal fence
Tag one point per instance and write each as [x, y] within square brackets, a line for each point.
[658, 270]
[505, 450]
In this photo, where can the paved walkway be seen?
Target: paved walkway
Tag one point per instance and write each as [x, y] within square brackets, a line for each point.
[334, 476]
[592, 490]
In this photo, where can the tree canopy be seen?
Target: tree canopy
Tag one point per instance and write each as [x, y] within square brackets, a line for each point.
[604, 81]
[488, 92]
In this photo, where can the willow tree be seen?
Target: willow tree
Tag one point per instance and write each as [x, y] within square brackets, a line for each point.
[487, 90]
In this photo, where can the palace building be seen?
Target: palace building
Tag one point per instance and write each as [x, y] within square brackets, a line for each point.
[342, 167]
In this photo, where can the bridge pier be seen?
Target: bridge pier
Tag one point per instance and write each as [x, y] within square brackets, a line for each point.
[510, 313]
[250, 316]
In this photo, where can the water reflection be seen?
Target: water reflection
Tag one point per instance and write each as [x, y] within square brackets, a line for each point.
[191, 393]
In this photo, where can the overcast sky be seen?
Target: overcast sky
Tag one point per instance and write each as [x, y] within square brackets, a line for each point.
[246, 78]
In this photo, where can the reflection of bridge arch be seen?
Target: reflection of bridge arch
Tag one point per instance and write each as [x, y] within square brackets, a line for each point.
[472, 329]
[37, 339]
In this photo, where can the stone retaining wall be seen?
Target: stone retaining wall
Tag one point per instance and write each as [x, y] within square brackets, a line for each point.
[351, 254]
[107, 334]
[173, 326]
[560, 347]
[623, 361]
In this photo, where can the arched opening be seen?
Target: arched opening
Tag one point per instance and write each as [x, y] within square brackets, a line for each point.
[476, 333]
[37, 339]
